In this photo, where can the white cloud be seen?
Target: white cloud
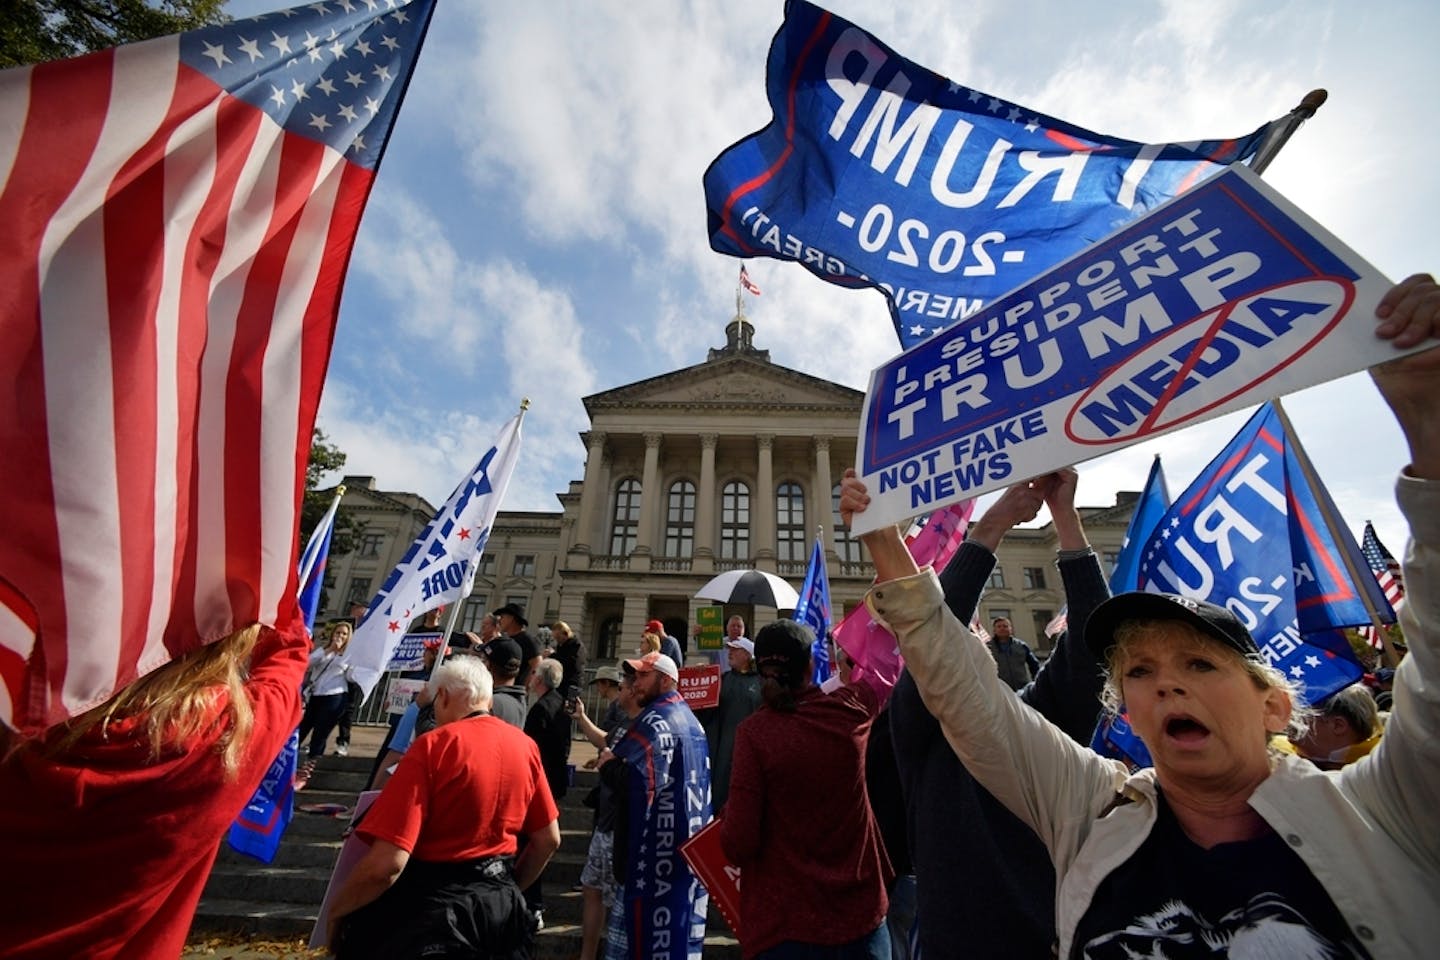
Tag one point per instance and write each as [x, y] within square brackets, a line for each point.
[540, 227]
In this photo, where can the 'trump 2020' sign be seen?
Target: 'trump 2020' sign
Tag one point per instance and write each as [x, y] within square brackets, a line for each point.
[1223, 297]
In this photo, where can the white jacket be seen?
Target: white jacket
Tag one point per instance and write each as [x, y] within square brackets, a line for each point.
[1370, 832]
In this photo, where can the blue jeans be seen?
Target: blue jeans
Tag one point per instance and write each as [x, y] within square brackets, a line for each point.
[873, 946]
[900, 921]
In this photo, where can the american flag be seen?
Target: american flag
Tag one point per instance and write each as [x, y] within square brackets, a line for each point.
[747, 283]
[179, 215]
[1385, 567]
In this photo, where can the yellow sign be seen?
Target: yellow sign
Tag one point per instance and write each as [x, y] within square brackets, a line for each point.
[712, 627]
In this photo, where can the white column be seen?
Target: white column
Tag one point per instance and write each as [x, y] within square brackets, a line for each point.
[762, 516]
[592, 496]
[705, 500]
[822, 517]
[652, 499]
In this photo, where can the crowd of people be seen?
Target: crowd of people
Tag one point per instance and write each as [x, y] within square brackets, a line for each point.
[959, 813]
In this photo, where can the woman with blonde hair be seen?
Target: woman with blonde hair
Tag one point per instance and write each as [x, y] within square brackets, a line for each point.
[326, 689]
[113, 819]
[649, 643]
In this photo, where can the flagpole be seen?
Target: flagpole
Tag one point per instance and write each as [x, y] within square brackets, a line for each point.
[450, 623]
[1303, 111]
[1332, 524]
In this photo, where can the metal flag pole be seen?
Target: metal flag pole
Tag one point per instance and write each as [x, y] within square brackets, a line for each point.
[1332, 523]
[1303, 111]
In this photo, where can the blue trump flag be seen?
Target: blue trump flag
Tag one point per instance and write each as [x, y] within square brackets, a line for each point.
[876, 172]
[1154, 501]
[1249, 534]
[813, 610]
[258, 829]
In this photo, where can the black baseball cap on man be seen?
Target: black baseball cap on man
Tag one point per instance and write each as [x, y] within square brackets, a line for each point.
[503, 656]
[1213, 621]
[514, 611]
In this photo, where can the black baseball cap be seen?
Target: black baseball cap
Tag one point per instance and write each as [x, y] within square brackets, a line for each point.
[503, 655]
[1213, 621]
[784, 648]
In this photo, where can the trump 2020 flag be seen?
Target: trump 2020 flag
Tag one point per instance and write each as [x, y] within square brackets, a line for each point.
[314, 560]
[178, 217]
[876, 172]
[813, 610]
[260, 827]
[1249, 535]
[1154, 501]
[439, 567]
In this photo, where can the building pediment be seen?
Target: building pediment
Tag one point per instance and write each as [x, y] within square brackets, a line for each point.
[729, 383]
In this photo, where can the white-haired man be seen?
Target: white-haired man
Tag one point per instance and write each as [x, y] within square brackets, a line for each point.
[442, 872]
[548, 725]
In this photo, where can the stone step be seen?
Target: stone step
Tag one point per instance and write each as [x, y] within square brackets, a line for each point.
[255, 919]
[265, 883]
[306, 827]
[293, 852]
[353, 764]
[559, 940]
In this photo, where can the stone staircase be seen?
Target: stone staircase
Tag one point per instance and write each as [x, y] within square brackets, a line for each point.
[282, 899]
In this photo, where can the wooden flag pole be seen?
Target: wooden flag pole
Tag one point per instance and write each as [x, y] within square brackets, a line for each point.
[1332, 523]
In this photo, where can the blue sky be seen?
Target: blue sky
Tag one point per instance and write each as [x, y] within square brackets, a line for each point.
[538, 227]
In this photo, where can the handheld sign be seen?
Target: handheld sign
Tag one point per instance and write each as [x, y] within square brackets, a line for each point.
[721, 877]
[700, 686]
[712, 627]
[1222, 298]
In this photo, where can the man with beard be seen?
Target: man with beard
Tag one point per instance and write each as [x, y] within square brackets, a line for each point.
[665, 800]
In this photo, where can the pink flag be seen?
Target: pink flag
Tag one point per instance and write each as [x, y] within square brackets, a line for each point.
[177, 228]
[872, 647]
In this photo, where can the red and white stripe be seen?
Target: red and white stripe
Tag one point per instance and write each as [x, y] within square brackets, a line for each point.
[747, 283]
[172, 268]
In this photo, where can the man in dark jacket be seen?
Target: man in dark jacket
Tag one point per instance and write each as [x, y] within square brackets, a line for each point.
[570, 653]
[548, 724]
[1014, 659]
[961, 837]
[512, 623]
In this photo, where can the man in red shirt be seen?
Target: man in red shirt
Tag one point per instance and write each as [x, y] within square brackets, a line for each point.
[798, 822]
[442, 870]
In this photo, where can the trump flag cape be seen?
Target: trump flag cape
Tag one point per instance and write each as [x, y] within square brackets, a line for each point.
[668, 800]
